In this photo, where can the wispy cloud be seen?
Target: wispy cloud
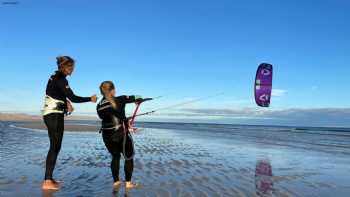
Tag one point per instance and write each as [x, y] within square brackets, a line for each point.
[278, 92]
[295, 116]
[285, 113]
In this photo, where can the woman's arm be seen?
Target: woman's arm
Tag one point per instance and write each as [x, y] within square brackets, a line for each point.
[129, 99]
[64, 87]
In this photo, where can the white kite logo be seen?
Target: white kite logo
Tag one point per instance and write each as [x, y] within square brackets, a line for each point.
[264, 97]
[265, 72]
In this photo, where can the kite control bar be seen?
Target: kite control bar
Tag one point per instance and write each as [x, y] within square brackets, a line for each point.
[132, 118]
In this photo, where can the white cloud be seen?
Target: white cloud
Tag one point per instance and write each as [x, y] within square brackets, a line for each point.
[278, 92]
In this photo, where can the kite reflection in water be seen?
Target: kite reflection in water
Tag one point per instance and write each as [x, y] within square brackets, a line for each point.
[263, 178]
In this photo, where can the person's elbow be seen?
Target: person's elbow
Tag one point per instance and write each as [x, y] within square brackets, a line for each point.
[73, 98]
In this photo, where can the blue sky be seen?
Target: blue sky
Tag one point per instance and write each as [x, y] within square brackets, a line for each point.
[183, 50]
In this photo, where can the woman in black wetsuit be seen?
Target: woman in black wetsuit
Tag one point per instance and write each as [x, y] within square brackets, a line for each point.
[56, 105]
[115, 131]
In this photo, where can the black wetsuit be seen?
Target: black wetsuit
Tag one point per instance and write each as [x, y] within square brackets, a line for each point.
[113, 133]
[57, 88]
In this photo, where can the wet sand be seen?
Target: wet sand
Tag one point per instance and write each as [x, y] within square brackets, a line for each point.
[69, 126]
[177, 162]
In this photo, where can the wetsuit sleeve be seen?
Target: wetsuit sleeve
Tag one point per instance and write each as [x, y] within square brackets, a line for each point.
[129, 99]
[64, 86]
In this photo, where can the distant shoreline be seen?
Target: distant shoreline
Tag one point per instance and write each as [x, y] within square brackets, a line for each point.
[36, 122]
[27, 117]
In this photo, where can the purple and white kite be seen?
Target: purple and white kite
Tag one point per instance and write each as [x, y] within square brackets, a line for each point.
[263, 85]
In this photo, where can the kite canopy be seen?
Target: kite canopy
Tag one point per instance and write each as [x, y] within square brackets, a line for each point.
[263, 85]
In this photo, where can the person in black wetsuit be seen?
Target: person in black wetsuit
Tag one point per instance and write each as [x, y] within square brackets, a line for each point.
[56, 105]
[115, 131]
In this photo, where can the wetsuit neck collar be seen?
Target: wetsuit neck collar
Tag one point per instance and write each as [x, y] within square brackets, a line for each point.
[59, 73]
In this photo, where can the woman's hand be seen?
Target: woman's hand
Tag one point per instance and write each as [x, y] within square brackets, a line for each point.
[93, 98]
[133, 130]
[70, 107]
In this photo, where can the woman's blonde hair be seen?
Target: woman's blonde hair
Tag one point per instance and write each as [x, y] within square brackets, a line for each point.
[106, 87]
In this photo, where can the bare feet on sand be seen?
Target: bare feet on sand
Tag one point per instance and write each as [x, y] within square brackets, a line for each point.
[116, 185]
[51, 185]
[131, 185]
[58, 182]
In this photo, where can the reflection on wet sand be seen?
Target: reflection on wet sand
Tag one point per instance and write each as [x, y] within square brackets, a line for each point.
[121, 191]
[263, 178]
[115, 193]
[48, 193]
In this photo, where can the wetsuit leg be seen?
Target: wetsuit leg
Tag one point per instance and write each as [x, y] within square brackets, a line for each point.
[128, 169]
[129, 164]
[114, 143]
[115, 165]
[113, 140]
[55, 125]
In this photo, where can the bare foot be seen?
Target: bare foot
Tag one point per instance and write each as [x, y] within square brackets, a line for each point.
[116, 185]
[131, 185]
[50, 185]
[60, 183]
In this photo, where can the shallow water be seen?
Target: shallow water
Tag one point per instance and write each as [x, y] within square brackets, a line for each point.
[185, 160]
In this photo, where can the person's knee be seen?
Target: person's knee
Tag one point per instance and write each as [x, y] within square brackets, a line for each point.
[116, 156]
[129, 163]
[55, 147]
[58, 149]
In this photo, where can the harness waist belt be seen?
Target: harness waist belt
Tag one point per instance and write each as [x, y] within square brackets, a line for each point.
[52, 105]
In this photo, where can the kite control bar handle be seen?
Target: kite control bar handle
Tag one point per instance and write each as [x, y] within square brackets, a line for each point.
[143, 100]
